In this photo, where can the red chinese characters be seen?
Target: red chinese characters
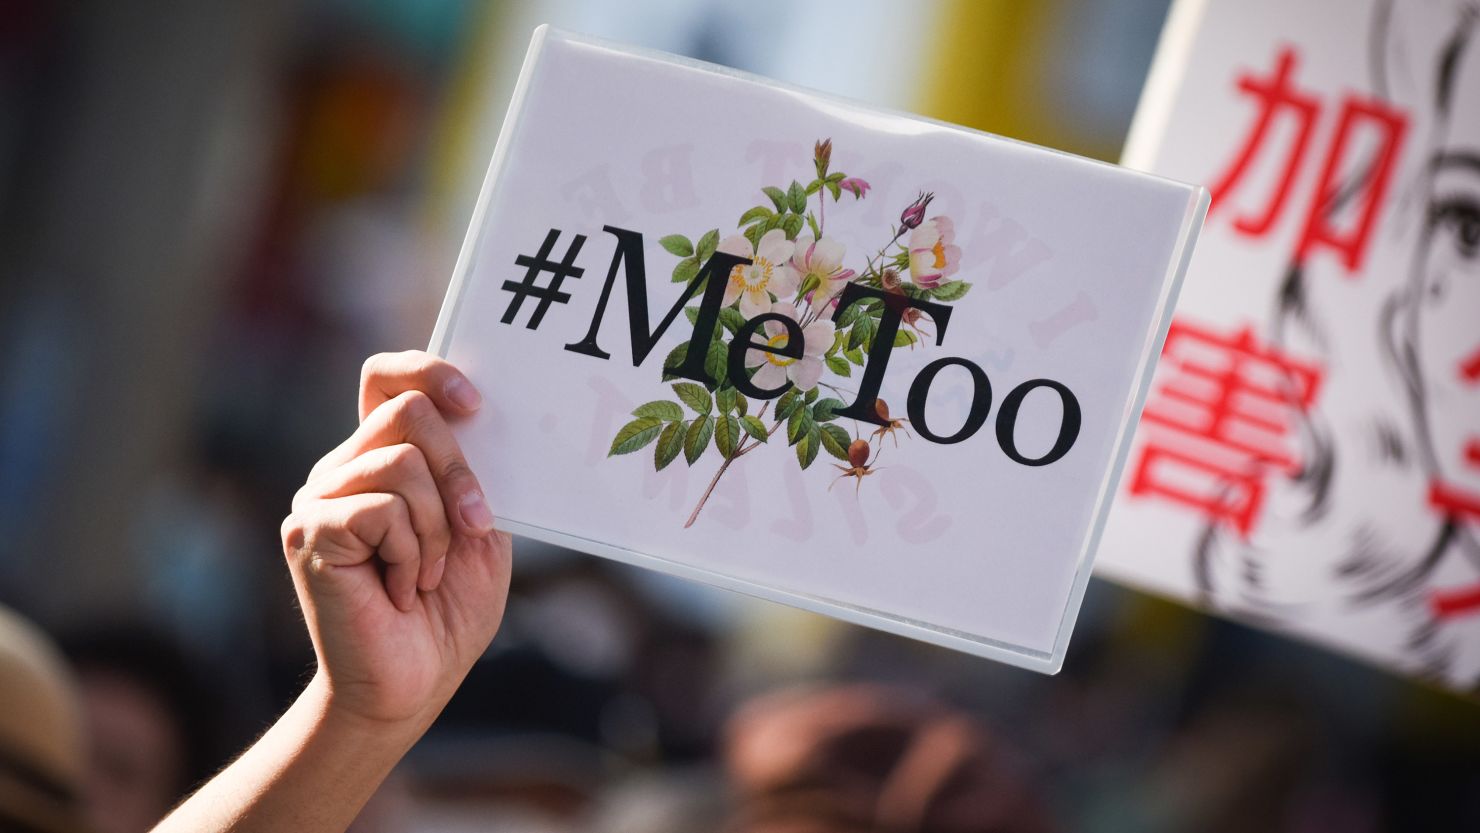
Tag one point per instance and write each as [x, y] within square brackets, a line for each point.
[1220, 422]
[1343, 210]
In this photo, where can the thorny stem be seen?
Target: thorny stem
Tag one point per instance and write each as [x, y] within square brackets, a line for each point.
[880, 256]
[739, 452]
[836, 389]
[821, 211]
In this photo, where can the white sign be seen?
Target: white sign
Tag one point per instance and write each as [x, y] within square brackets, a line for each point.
[1309, 457]
[919, 348]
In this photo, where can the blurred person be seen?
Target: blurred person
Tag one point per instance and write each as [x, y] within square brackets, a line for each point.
[153, 726]
[41, 734]
[864, 757]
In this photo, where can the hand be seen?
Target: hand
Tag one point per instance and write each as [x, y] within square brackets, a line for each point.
[400, 573]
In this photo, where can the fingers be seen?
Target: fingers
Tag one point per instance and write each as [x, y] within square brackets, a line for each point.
[328, 535]
[388, 375]
[412, 417]
[400, 470]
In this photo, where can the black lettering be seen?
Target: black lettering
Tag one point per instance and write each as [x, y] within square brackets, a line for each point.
[1007, 422]
[981, 400]
[895, 304]
[629, 255]
[792, 349]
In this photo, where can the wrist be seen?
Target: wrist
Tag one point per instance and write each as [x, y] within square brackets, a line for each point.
[338, 714]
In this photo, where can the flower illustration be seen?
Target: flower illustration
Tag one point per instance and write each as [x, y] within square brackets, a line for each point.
[768, 272]
[793, 262]
[914, 215]
[776, 369]
[933, 256]
[819, 263]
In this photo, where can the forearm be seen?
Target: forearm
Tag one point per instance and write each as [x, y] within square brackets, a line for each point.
[312, 771]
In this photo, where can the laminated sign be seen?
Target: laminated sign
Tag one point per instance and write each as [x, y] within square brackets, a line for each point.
[856, 361]
[1309, 456]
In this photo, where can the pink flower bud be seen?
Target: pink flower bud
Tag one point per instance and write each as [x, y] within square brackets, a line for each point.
[858, 186]
[915, 214]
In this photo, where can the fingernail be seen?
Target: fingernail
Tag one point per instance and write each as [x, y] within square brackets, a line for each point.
[463, 394]
[434, 578]
[475, 512]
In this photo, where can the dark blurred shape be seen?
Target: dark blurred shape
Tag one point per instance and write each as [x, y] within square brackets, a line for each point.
[41, 749]
[872, 758]
[155, 727]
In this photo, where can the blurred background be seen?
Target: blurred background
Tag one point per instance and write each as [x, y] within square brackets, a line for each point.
[210, 213]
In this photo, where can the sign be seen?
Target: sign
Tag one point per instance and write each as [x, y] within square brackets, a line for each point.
[859, 362]
[1309, 456]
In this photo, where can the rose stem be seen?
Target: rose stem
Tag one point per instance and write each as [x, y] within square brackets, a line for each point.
[743, 450]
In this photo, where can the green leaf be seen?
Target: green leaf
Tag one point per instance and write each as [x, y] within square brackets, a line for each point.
[659, 409]
[732, 319]
[807, 447]
[792, 224]
[904, 338]
[813, 187]
[836, 441]
[724, 399]
[700, 430]
[839, 339]
[691, 313]
[848, 316]
[677, 244]
[741, 403]
[787, 403]
[707, 244]
[694, 396]
[759, 212]
[951, 291]
[717, 362]
[798, 425]
[855, 355]
[753, 234]
[812, 395]
[812, 223]
[778, 196]
[670, 442]
[727, 435]
[754, 427]
[836, 176]
[635, 435]
[826, 410]
[862, 334]
[686, 270]
[673, 360]
[839, 365]
[837, 193]
[796, 198]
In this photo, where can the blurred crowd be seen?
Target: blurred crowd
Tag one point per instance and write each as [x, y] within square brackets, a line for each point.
[210, 213]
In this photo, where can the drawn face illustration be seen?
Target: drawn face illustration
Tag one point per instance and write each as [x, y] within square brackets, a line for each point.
[1445, 312]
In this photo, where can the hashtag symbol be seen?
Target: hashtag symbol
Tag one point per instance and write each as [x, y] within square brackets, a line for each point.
[541, 262]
